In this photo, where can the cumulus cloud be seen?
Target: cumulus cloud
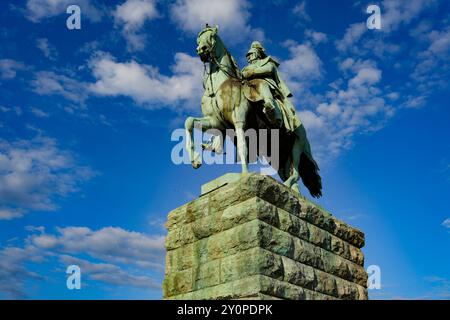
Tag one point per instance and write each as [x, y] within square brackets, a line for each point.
[365, 76]
[51, 83]
[446, 223]
[38, 112]
[300, 11]
[110, 273]
[13, 273]
[301, 71]
[396, 13]
[37, 10]
[431, 70]
[109, 244]
[9, 68]
[351, 36]
[426, 66]
[232, 16]
[356, 102]
[35, 172]
[145, 84]
[302, 66]
[47, 49]
[111, 255]
[315, 37]
[131, 16]
[133, 13]
[354, 107]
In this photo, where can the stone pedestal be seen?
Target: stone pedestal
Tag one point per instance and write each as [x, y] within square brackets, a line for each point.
[250, 237]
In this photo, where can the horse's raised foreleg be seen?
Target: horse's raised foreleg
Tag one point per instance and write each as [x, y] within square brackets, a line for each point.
[189, 125]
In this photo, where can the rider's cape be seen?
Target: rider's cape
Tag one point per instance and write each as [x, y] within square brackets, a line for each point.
[280, 84]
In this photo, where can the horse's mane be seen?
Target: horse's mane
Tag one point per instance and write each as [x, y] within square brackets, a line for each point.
[234, 66]
[236, 69]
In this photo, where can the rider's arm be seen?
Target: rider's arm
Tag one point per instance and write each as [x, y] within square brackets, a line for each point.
[264, 71]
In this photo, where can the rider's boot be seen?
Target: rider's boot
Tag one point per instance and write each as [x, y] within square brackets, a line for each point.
[272, 113]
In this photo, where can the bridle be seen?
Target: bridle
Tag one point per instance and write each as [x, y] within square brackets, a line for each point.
[221, 67]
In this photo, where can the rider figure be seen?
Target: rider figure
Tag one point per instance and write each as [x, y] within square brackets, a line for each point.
[272, 91]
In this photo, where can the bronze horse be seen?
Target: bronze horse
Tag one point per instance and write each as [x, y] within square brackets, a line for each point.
[226, 105]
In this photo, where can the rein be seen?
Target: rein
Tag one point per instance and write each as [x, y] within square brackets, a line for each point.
[223, 68]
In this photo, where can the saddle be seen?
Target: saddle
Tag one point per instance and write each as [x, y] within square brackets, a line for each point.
[252, 90]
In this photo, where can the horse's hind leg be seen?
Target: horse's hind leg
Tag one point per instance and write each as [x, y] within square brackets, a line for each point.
[189, 125]
[292, 181]
[297, 150]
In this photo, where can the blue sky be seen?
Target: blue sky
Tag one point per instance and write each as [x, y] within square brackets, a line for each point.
[86, 116]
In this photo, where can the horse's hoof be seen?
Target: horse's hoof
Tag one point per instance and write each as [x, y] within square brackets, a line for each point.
[288, 182]
[196, 165]
[196, 161]
[295, 187]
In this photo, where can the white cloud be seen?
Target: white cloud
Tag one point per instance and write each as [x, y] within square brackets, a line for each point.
[9, 68]
[9, 214]
[132, 15]
[110, 255]
[446, 223]
[232, 17]
[33, 173]
[13, 272]
[145, 84]
[37, 10]
[427, 60]
[302, 67]
[345, 111]
[50, 83]
[366, 75]
[398, 12]
[110, 244]
[315, 37]
[431, 70]
[415, 102]
[395, 13]
[47, 49]
[300, 11]
[311, 120]
[439, 42]
[351, 36]
[110, 273]
[39, 113]
[40, 229]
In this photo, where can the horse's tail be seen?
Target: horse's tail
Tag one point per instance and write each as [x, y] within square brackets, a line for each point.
[309, 173]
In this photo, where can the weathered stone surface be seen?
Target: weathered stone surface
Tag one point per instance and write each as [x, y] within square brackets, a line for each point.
[256, 208]
[257, 287]
[256, 228]
[251, 262]
[267, 188]
[220, 182]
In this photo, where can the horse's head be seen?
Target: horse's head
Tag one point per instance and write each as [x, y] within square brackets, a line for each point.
[206, 41]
